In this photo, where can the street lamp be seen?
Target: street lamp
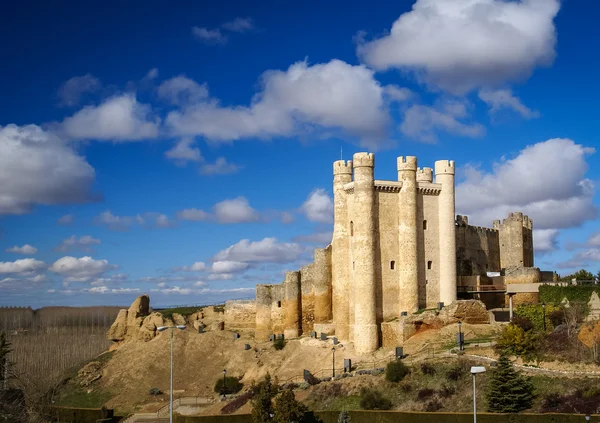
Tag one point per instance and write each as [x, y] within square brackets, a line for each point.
[224, 383]
[544, 312]
[474, 371]
[161, 329]
[333, 362]
[587, 417]
[460, 337]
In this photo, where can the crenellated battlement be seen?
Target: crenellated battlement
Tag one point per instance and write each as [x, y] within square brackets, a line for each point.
[444, 167]
[342, 167]
[407, 163]
[363, 160]
[525, 220]
[462, 220]
[424, 174]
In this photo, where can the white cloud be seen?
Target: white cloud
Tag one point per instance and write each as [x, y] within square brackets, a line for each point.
[67, 219]
[331, 96]
[37, 167]
[219, 167]
[152, 74]
[504, 99]
[181, 91]
[209, 36]
[318, 207]
[322, 238]
[396, 93]
[21, 267]
[237, 210]
[423, 122]
[25, 249]
[82, 269]
[82, 243]
[184, 152]
[545, 240]
[582, 259]
[267, 250]
[194, 215]
[70, 92]
[229, 266]
[594, 240]
[124, 223]
[196, 267]
[459, 45]
[546, 181]
[117, 119]
[175, 290]
[239, 25]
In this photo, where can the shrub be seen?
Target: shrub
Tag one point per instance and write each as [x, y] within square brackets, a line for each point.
[535, 314]
[578, 402]
[287, 409]
[230, 385]
[237, 403]
[396, 371]
[374, 400]
[262, 401]
[425, 393]
[509, 391]
[433, 405]
[557, 317]
[279, 344]
[455, 373]
[515, 341]
[446, 391]
[406, 387]
[427, 369]
[154, 391]
[523, 322]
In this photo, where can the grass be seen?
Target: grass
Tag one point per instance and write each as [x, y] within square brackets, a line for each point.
[184, 311]
[76, 396]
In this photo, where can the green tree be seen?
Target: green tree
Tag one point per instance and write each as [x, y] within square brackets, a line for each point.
[580, 275]
[287, 409]
[508, 390]
[262, 402]
[514, 340]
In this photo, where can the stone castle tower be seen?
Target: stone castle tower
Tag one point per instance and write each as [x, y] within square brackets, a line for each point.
[397, 247]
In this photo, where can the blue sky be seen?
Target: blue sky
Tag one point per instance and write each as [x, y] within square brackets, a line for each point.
[185, 151]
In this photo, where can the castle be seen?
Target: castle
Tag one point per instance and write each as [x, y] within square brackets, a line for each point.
[397, 247]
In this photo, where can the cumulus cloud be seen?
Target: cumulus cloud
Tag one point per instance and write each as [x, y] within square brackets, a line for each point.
[556, 199]
[124, 223]
[581, 259]
[26, 266]
[209, 36]
[71, 91]
[118, 119]
[82, 243]
[83, 269]
[545, 240]
[67, 219]
[229, 266]
[459, 45]
[237, 210]
[184, 151]
[498, 100]
[396, 93]
[37, 167]
[196, 267]
[318, 207]
[181, 90]
[424, 122]
[194, 215]
[331, 96]
[219, 167]
[268, 250]
[25, 250]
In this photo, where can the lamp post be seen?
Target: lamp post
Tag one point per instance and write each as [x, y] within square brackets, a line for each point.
[474, 371]
[587, 417]
[224, 383]
[332, 362]
[161, 329]
[460, 338]
[544, 313]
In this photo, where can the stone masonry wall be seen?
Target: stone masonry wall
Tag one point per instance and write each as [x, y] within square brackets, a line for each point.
[240, 314]
[477, 249]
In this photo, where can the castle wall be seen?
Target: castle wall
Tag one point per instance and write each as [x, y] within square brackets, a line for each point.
[263, 312]
[387, 251]
[477, 249]
[291, 305]
[524, 275]
[429, 250]
[240, 314]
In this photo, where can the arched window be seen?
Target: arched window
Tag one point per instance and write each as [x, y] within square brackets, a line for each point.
[392, 264]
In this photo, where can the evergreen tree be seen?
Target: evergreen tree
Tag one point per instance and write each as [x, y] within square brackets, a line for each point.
[508, 390]
[262, 402]
[344, 417]
[287, 409]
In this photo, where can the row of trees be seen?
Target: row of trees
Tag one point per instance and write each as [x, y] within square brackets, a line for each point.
[582, 275]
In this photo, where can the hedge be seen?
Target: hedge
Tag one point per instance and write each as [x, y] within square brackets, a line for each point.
[535, 313]
[404, 417]
[554, 294]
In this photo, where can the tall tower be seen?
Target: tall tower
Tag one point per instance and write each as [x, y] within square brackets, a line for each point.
[340, 262]
[444, 175]
[408, 270]
[366, 337]
[516, 241]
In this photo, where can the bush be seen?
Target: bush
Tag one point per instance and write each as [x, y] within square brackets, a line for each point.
[262, 400]
[578, 402]
[515, 341]
[373, 400]
[406, 387]
[523, 322]
[455, 373]
[396, 371]
[557, 317]
[535, 314]
[425, 393]
[433, 405]
[427, 369]
[154, 391]
[287, 409]
[230, 385]
[279, 344]
[446, 391]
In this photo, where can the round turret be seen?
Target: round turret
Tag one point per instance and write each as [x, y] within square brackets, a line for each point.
[342, 167]
[425, 175]
[363, 160]
[407, 163]
[444, 167]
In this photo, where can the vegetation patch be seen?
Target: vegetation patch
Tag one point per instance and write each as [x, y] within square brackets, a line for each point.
[167, 313]
[228, 385]
[554, 294]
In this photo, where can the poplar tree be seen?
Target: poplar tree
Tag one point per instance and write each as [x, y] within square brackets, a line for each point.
[509, 391]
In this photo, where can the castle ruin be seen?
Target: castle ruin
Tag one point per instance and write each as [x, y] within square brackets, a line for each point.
[397, 247]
